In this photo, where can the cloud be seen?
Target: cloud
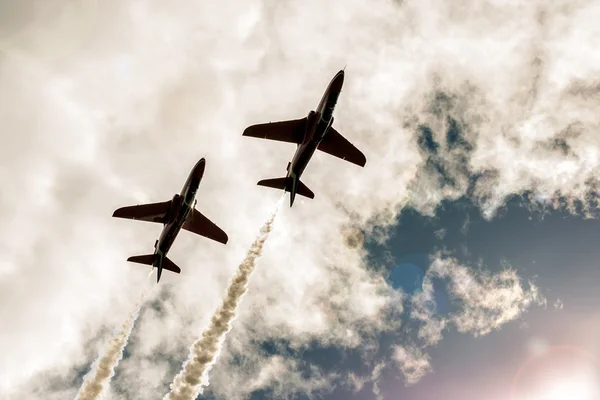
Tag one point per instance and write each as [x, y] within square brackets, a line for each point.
[413, 364]
[423, 309]
[441, 233]
[558, 304]
[483, 301]
[487, 300]
[281, 377]
[110, 104]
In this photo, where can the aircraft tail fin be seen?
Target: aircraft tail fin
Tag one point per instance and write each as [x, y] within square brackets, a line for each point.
[156, 261]
[288, 184]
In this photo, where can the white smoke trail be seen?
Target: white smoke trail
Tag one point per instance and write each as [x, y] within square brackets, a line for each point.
[205, 350]
[103, 369]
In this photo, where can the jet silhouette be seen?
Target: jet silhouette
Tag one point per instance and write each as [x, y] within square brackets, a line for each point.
[175, 214]
[313, 132]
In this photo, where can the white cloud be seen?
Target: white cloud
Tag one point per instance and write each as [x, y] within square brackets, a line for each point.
[412, 362]
[483, 302]
[284, 376]
[441, 233]
[423, 309]
[375, 377]
[487, 300]
[112, 103]
[558, 304]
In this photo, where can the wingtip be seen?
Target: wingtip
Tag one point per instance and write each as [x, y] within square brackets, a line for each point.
[364, 160]
[247, 130]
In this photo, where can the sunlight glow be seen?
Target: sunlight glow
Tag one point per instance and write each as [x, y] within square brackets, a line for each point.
[580, 388]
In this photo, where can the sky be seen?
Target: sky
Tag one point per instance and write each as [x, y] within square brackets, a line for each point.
[459, 263]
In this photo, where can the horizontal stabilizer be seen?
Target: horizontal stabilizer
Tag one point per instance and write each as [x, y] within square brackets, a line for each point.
[148, 259]
[277, 183]
[338, 146]
[286, 184]
[153, 212]
[303, 190]
[291, 131]
[170, 265]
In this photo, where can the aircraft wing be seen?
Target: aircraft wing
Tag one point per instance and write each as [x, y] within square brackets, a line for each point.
[153, 212]
[291, 131]
[338, 146]
[200, 225]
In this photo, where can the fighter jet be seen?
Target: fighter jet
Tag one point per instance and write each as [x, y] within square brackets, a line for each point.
[175, 214]
[310, 133]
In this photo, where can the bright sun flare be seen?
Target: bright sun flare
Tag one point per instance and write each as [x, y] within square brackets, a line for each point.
[580, 388]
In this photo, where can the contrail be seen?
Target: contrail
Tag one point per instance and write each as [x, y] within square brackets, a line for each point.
[205, 350]
[103, 369]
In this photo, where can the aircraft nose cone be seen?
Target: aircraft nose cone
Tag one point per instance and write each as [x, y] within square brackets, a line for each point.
[199, 168]
[338, 81]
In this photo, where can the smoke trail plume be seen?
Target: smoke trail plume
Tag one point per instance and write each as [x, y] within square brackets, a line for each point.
[206, 349]
[103, 369]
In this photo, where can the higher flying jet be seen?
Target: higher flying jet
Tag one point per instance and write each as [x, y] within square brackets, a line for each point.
[175, 214]
[310, 133]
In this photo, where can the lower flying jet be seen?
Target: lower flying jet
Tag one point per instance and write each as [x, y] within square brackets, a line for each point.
[175, 214]
[313, 132]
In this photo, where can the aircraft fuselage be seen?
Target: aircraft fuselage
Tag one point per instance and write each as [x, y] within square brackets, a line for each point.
[318, 123]
[181, 206]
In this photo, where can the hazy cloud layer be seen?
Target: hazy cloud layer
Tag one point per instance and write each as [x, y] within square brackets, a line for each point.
[106, 104]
